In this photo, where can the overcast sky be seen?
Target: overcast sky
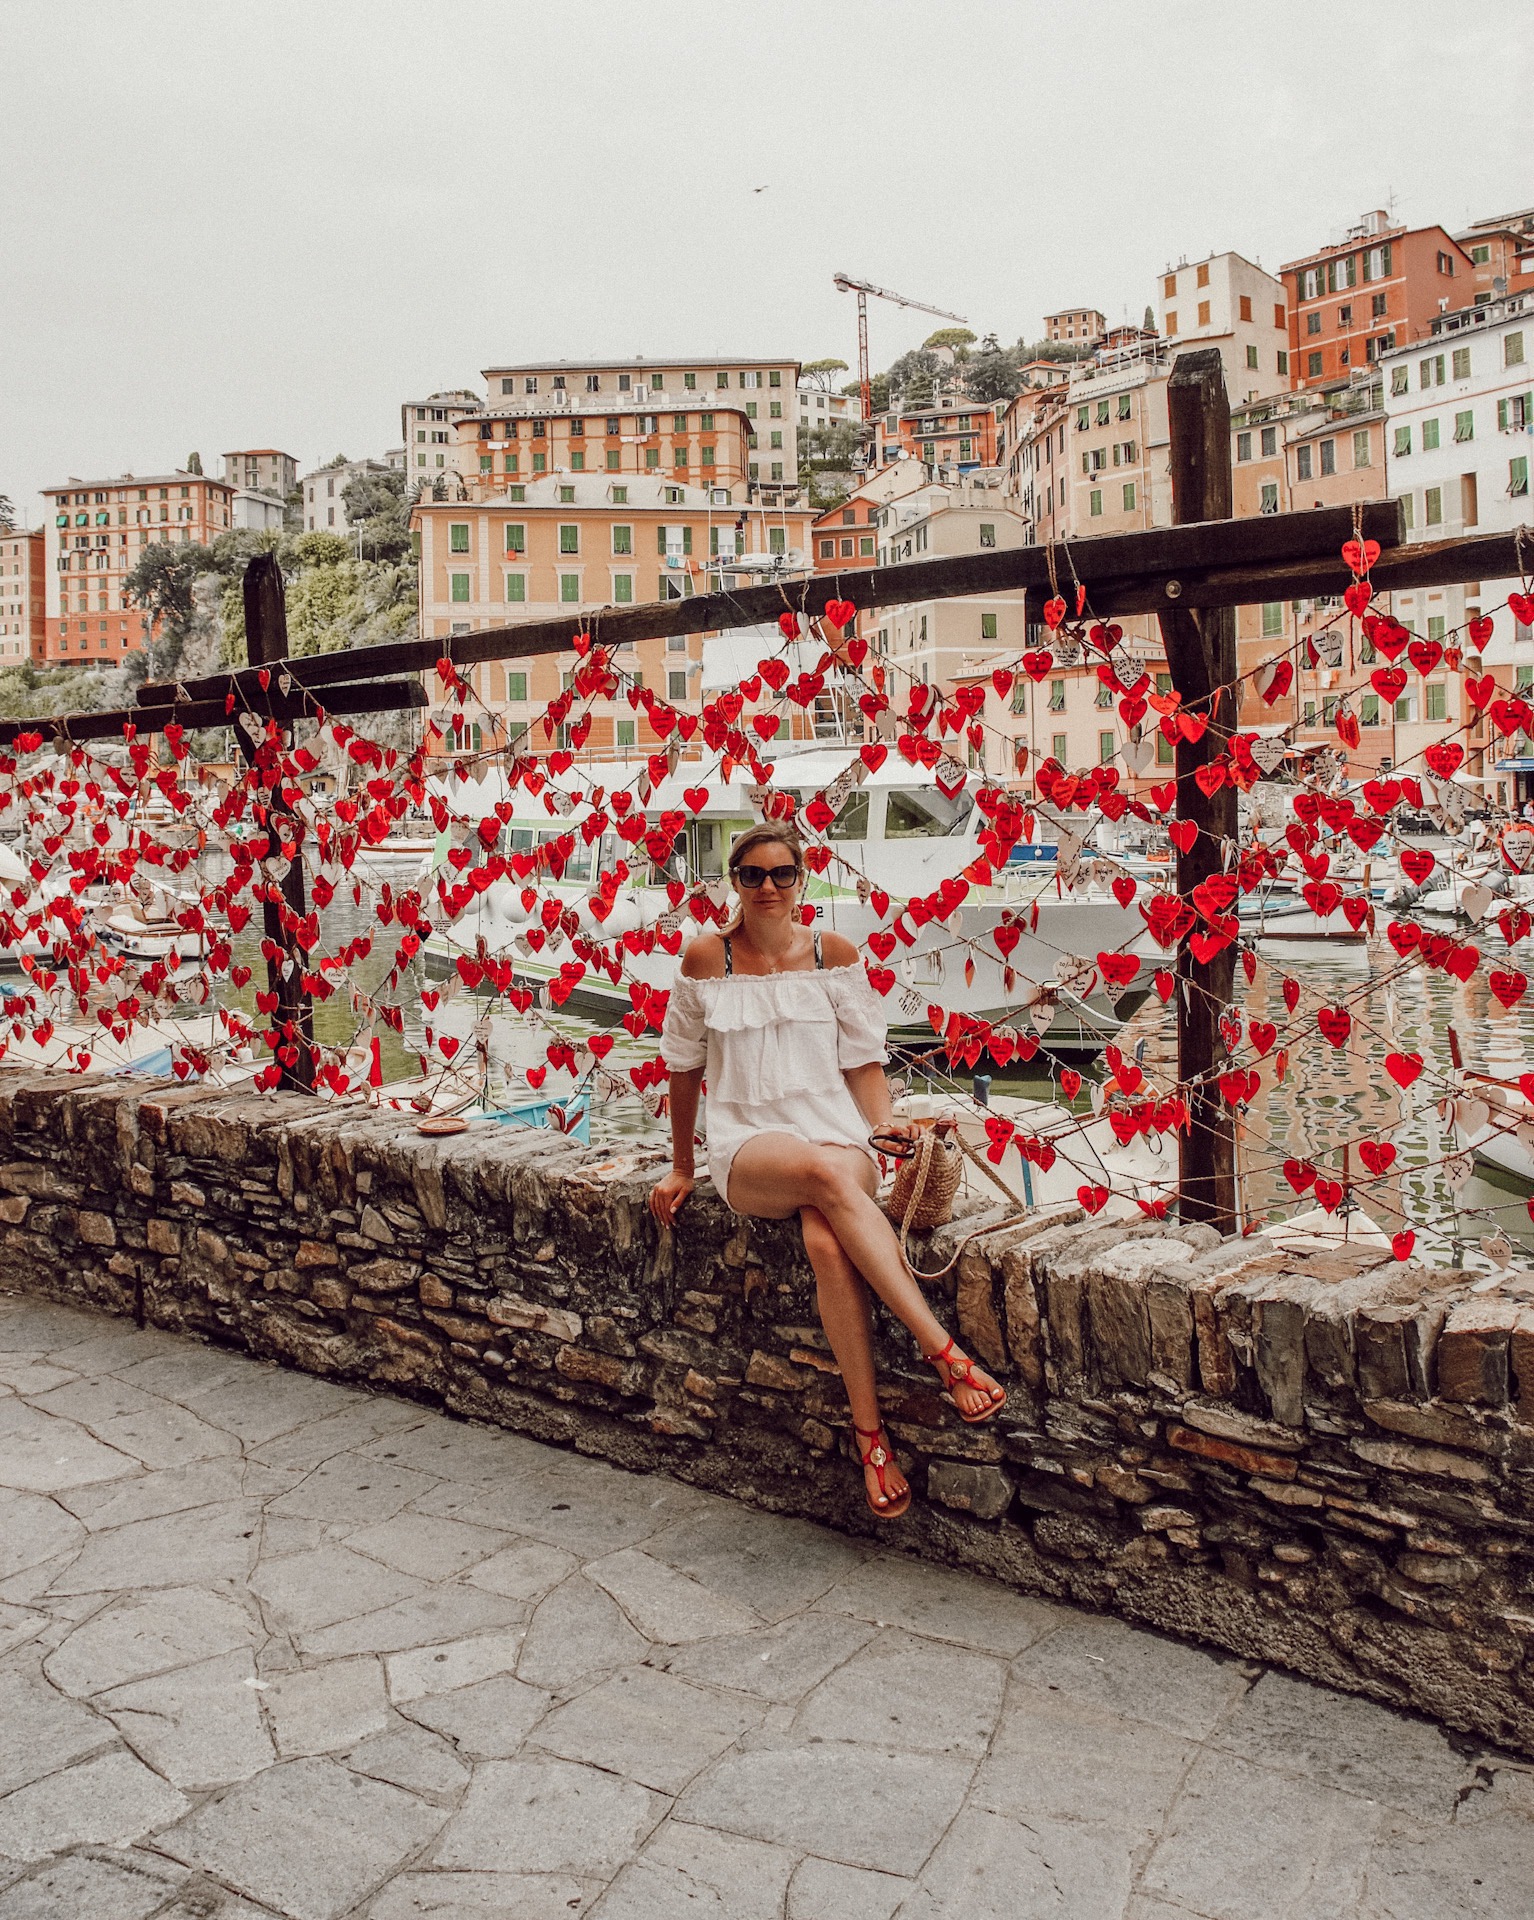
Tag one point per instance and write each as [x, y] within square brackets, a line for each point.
[234, 225]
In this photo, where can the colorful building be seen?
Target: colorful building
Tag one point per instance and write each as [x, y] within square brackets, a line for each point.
[1075, 326]
[528, 439]
[1379, 287]
[573, 546]
[959, 435]
[97, 532]
[23, 595]
[1227, 302]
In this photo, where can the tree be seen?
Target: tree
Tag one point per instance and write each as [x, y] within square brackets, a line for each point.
[878, 391]
[911, 378]
[163, 584]
[820, 372]
[956, 337]
[378, 512]
[7, 514]
[993, 373]
[193, 463]
[1150, 320]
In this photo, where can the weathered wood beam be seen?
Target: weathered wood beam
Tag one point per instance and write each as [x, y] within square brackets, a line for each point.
[1136, 561]
[1201, 652]
[371, 696]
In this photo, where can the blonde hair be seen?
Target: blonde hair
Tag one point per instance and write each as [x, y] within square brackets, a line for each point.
[770, 833]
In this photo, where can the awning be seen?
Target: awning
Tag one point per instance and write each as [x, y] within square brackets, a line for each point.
[1523, 764]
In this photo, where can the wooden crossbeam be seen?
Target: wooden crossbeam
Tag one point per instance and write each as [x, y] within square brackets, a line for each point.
[373, 696]
[1114, 567]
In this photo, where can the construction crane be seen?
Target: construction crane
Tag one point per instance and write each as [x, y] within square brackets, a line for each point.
[844, 283]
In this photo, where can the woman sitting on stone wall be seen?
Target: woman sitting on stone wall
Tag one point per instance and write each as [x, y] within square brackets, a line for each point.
[792, 1040]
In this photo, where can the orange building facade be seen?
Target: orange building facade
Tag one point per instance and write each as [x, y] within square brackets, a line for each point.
[1379, 288]
[97, 532]
[956, 433]
[23, 595]
[708, 448]
[575, 545]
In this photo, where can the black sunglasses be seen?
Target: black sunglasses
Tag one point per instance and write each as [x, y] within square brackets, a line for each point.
[781, 877]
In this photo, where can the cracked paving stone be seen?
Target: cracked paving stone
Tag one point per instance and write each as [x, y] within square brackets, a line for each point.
[942, 1605]
[903, 1692]
[826, 1890]
[209, 1546]
[486, 1721]
[275, 1838]
[354, 1418]
[353, 1488]
[1136, 1673]
[990, 1868]
[134, 1637]
[773, 1566]
[1051, 1755]
[484, 1896]
[526, 1571]
[106, 1802]
[421, 1671]
[1334, 1740]
[692, 1873]
[778, 1663]
[1244, 1843]
[40, 1453]
[577, 1632]
[427, 1545]
[81, 1887]
[314, 1590]
[1481, 1871]
[18, 1625]
[264, 1403]
[169, 1490]
[666, 1606]
[188, 1373]
[200, 1726]
[860, 1805]
[33, 1377]
[42, 1730]
[582, 1505]
[648, 1726]
[410, 1757]
[320, 1709]
[439, 1614]
[158, 1433]
[547, 1816]
[457, 1450]
[32, 1530]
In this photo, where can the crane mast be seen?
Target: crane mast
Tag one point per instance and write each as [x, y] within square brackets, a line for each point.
[844, 283]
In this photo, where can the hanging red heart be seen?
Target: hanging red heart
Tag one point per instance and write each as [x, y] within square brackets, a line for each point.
[1401, 1243]
[1054, 612]
[1521, 605]
[788, 625]
[1335, 1023]
[1358, 556]
[1279, 685]
[1377, 1155]
[840, 614]
[1093, 1199]
[1403, 1068]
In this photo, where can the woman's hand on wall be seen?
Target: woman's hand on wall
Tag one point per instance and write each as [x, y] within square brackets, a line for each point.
[669, 1194]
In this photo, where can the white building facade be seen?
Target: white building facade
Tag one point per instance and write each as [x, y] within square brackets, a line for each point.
[1228, 302]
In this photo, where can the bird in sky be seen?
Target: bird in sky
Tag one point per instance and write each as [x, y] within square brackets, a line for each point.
[761, 189]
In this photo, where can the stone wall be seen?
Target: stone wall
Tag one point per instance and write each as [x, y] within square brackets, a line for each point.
[1326, 1463]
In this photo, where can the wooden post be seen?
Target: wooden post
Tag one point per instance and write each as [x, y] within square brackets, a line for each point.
[1201, 652]
[266, 640]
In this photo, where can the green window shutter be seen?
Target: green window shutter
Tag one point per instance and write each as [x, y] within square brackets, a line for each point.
[516, 686]
[460, 586]
[623, 589]
[687, 539]
[569, 587]
[660, 539]
[516, 539]
[516, 586]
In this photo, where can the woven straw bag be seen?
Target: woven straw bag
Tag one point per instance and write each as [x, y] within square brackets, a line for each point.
[925, 1184]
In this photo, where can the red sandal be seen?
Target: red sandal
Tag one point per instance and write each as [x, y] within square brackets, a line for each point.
[879, 1457]
[960, 1370]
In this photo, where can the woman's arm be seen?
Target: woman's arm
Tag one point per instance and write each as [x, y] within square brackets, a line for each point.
[672, 1189]
[871, 1093]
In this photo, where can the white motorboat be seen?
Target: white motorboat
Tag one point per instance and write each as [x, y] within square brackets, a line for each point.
[1493, 1121]
[1022, 949]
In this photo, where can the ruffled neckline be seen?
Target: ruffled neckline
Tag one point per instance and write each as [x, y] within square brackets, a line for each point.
[788, 973]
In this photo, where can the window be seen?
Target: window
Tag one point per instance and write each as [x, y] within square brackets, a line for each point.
[676, 685]
[1203, 313]
[1302, 463]
[1283, 363]
[1243, 446]
[1095, 502]
[567, 498]
[1369, 710]
[865, 546]
[1244, 306]
[1164, 754]
[1057, 696]
[1272, 618]
[1328, 456]
[569, 539]
[827, 549]
[987, 626]
[1169, 287]
[1344, 316]
[1268, 503]
[1464, 425]
[1251, 358]
[1432, 502]
[1106, 748]
[1429, 435]
[1512, 350]
[540, 463]
[1377, 306]
[1446, 264]
[1430, 371]
[1104, 697]
[1059, 746]
[1460, 364]
[1437, 701]
[1403, 442]
[1312, 323]
[460, 586]
[577, 460]
[623, 589]
[1313, 366]
[1515, 412]
[1408, 511]
[626, 734]
[987, 533]
[570, 587]
[1269, 442]
[1361, 455]
[1102, 413]
[1083, 419]
[1171, 323]
[1518, 477]
[1020, 694]
[777, 540]
[458, 538]
[1129, 496]
[1400, 380]
[516, 588]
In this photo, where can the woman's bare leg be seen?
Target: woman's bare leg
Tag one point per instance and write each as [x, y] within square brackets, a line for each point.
[775, 1174]
[846, 1315]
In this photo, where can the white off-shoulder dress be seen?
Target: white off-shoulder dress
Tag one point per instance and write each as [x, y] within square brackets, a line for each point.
[775, 1049]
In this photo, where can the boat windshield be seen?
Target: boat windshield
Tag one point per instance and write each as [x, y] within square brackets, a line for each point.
[924, 813]
[851, 823]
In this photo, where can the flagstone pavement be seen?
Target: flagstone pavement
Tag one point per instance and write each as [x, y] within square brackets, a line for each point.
[274, 1647]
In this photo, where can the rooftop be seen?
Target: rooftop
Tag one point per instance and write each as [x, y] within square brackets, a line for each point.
[639, 360]
[595, 490]
[141, 480]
